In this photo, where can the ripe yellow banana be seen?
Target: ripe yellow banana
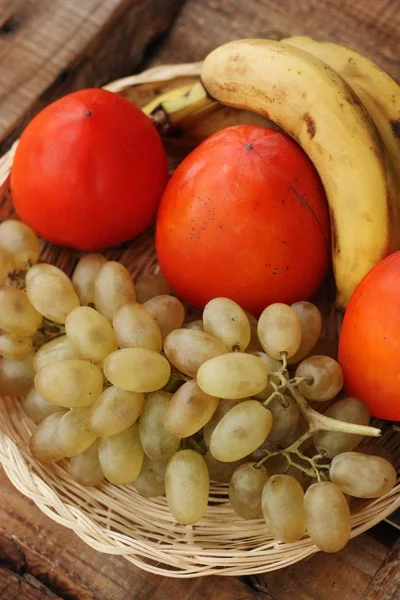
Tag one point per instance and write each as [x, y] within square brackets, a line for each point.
[379, 93]
[316, 107]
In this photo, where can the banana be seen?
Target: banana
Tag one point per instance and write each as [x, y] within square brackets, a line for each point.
[314, 105]
[158, 101]
[379, 93]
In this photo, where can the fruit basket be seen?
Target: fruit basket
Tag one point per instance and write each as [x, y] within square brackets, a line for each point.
[119, 521]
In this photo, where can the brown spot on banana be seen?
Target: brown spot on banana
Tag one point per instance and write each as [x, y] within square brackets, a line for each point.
[310, 123]
[395, 125]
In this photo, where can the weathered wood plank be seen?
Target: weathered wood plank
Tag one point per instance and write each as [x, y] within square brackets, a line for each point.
[15, 587]
[60, 46]
[386, 583]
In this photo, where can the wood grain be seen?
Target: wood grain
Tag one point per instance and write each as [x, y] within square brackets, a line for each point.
[63, 45]
[15, 587]
[386, 584]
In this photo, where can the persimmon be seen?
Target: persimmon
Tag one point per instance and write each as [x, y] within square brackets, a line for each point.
[244, 216]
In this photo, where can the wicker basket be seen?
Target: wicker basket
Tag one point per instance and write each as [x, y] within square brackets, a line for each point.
[118, 520]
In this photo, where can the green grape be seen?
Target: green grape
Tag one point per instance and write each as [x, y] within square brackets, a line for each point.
[328, 516]
[135, 327]
[223, 407]
[16, 376]
[121, 456]
[282, 507]
[254, 344]
[350, 410]
[15, 347]
[46, 268]
[85, 467]
[188, 349]
[84, 277]
[17, 315]
[70, 383]
[151, 480]
[326, 378]
[362, 475]
[20, 242]
[150, 286]
[243, 429]
[189, 410]
[37, 408]
[114, 410]
[74, 435]
[311, 323]
[232, 376]
[52, 296]
[58, 349]
[279, 330]
[227, 322]
[272, 366]
[168, 311]
[285, 416]
[220, 471]
[45, 442]
[137, 370]
[113, 287]
[6, 265]
[245, 490]
[90, 333]
[196, 325]
[187, 486]
[158, 443]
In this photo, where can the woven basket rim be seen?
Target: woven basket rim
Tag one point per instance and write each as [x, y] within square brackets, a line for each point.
[191, 552]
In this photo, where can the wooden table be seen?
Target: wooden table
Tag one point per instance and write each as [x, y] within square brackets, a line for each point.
[48, 47]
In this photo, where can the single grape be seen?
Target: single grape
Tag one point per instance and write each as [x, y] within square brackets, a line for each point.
[362, 475]
[220, 471]
[113, 286]
[150, 286]
[243, 429]
[85, 467]
[328, 516]
[350, 410]
[74, 435]
[254, 344]
[60, 348]
[135, 327]
[246, 488]
[151, 480]
[15, 347]
[158, 443]
[187, 486]
[20, 242]
[70, 383]
[196, 325]
[188, 349]
[90, 333]
[232, 376]
[311, 323]
[227, 322]
[6, 265]
[16, 376]
[279, 330]
[84, 277]
[326, 378]
[17, 315]
[223, 407]
[285, 416]
[114, 410]
[282, 507]
[37, 408]
[121, 456]
[44, 443]
[46, 268]
[168, 311]
[52, 296]
[137, 370]
[189, 410]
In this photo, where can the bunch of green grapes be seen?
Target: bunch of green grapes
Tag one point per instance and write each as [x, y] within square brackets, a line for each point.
[130, 389]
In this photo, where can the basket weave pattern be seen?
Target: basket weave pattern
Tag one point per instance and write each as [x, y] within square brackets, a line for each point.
[117, 520]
